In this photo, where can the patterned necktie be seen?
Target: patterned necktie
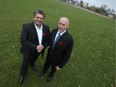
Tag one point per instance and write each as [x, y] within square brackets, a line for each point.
[56, 39]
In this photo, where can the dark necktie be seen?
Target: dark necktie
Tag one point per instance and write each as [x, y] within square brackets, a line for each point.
[56, 39]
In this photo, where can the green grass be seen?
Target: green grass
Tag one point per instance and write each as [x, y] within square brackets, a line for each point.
[92, 63]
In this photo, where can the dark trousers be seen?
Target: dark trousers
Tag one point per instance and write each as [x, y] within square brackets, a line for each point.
[30, 58]
[47, 64]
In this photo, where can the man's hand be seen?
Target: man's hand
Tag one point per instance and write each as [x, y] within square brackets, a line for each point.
[57, 68]
[39, 48]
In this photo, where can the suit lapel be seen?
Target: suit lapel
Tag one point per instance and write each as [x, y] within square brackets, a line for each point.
[43, 33]
[62, 37]
[35, 32]
[54, 35]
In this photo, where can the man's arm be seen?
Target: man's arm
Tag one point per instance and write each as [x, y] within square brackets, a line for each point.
[67, 53]
[24, 39]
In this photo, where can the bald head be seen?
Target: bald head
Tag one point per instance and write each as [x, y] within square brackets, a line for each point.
[63, 24]
[65, 19]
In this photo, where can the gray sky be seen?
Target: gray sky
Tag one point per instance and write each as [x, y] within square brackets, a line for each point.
[110, 3]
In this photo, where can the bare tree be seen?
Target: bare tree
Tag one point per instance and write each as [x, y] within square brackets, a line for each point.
[81, 3]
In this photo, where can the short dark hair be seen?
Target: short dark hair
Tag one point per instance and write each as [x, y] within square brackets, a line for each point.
[39, 12]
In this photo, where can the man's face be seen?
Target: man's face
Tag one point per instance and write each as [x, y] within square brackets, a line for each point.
[62, 25]
[38, 19]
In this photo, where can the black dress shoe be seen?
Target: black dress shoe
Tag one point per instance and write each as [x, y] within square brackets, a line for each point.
[34, 68]
[49, 79]
[41, 73]
[21, 80]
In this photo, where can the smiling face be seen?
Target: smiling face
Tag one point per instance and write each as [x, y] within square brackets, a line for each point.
[38, 19]
[63, 24]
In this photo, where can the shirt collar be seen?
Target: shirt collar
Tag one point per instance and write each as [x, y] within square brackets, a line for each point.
[61, 33]
[38, 27]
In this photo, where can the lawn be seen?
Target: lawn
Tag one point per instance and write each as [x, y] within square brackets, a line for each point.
[92, 63]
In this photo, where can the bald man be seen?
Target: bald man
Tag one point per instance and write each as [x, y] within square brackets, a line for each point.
[59, 52]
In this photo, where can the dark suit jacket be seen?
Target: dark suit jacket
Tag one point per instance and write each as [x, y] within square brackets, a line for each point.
[29, 38]
[62, 50]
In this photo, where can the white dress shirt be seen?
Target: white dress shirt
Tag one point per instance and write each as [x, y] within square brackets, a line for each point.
[39, 33]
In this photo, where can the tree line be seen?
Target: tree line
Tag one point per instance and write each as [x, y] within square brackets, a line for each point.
[103, 9]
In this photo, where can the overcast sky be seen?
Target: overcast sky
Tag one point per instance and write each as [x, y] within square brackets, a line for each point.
[110, 3]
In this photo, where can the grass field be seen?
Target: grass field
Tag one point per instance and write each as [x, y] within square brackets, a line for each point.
[92, 63]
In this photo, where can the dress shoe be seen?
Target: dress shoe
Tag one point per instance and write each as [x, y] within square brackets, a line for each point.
[21, 80]
[41, 73]
[34, 68]
[49, 79]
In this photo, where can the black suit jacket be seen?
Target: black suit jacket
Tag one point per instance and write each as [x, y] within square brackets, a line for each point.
[61, 53]
[29, 38]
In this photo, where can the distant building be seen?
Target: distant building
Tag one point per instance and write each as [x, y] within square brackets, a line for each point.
[111, 15]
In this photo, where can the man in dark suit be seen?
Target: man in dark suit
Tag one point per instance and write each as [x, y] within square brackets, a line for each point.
[59, 52]
[34, 40]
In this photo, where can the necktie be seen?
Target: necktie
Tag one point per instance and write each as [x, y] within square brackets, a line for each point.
[56, 39]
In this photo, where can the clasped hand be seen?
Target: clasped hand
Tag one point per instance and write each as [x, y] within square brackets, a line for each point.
[57, 68]
[39, 48]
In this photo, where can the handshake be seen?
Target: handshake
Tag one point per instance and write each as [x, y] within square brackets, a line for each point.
[39, 48]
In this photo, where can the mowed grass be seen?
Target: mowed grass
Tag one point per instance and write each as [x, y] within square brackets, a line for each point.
[92, 63]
